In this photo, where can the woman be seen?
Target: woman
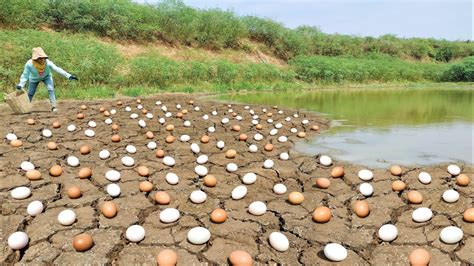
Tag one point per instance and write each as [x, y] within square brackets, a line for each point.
[39, 69]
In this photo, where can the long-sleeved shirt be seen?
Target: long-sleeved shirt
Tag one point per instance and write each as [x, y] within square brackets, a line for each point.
[31, 73]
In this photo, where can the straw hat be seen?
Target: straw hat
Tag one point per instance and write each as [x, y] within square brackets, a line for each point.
[38, 53]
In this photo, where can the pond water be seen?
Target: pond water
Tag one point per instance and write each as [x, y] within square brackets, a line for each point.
[376, 128]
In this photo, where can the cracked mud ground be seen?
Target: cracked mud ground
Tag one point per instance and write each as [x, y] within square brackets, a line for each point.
[50, 242]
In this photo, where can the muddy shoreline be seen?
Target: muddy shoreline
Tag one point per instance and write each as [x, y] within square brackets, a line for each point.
[50, 242]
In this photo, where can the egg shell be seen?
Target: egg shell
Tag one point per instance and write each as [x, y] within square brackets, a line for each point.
[335, 252]
[451, 234]
[419, 257]
[162, 198]
[67, 217]
[249, 178]
[20, 193]
[169, 215]
[18, 240]
[325, 160]
[35, 207]
[109, 209]
[422, 214]
[323, 183]
[172, 178]
[82, 242]
[365, 175]
[112, 175]
[198, 235]
[167, 257]
[279, 189]
[388, 232]
[33, 175]
[240, 258]
[239, 192]
[450, 196]
[257, 208]
[361, 208]
[198, 196]
[135, 233]
[279, 241]
[295, 198]
[113, 190]
[454, 170]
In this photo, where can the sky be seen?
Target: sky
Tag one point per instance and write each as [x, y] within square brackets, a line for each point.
[440, 19]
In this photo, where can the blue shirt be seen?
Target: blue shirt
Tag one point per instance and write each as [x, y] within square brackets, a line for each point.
[31, 73]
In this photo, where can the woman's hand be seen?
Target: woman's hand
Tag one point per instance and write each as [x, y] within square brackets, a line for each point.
[72, 77]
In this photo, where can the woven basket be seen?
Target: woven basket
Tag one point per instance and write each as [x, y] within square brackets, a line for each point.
[18, 102]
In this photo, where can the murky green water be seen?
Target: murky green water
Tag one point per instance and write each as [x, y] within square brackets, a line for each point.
[380, 127]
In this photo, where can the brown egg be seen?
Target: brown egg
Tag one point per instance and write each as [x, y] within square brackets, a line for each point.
[322, 214]
[415, 197]
[167, 257]
[82, 242]
[210, 181]
[259, 126]
[218, 216]
[115, 127]
[234, 114]
[85, 172]
[33, 175]
[16, 143]
[419, 257]
[230, 154]
[85, 149]
[462, 180]
[162, 198]
[56, 170]
[295, 198]
[56, 124]
[236, 128]
[179, 115]
[337, 172]
[145, 186]
[52, 145]
[160, 153]
[243, 137]
[268, 147]
[205, 139]
[315, 127]
[185, 111]
[30, 121]
[240, 258]
[398, 185]
[101, 109]
[119, 103]
[396, 170]
[80, 116]
[115, 138]
[143, 170]
[301, 134]
[139, 100]
[149, 134]
[74, 192]
[144, 111]
[106, 113]
[322, 182]
[468, 215]
[109, 209]
[83, 107]
[170, 139]
[190, 102]
[361, 208]
[170, 127]
[269, 114]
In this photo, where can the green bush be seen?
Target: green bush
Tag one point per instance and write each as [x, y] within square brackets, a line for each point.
[462, 71]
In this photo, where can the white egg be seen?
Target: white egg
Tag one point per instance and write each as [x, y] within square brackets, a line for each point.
[169, 215]
[305, 121]
[388, 232]
[288, 119]
[282, 139]
[151, 145]
[295, 115]
[169, 161]
[454, 169]
[112, 175]
[366, 189]
[92, 124]
[187, 123]
[258, 137]
[67, 217]
[268, 164]
[35, 207]
[211, 129]
[335, 252]
[149, 115]
[249, 178]
[135, 233]
[214, 113]
[172, 178]
[264, 110]
[278, 125]
[293, 130]
[128, 109]
[424, 178]
[198, 235]
[141, 123]
[178, 106]
[254, 122]
[72, 161]
[18, 240]
[139, 107]
[450, 196]
[128, 161]
[220, 144]
[201, 170]
[422, 214]
[269, 120]
[11, 136]
[185, 138]
[158, 103]
[162, 120]
[273, 132]
[279, 241]
[225, 120]
[164, 108]
[253, 148]
[238, 117]
[71, 128]
[134, 116]
[257, 208]
[325, 160]
[232, 167]
[113, 111]
[104, 154]
[198, 196]
[205, 117]
[451, 234]
[239, 192]
[246, 107]
[113, 190]
[365, 174]
[131, 149]
[195, 148]
[89, 132]
[280, 112]
[26, 166]
[284, 156]
[202, 159]
[20, 193]
[108, 121]
[47, 133]
[279, 189]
